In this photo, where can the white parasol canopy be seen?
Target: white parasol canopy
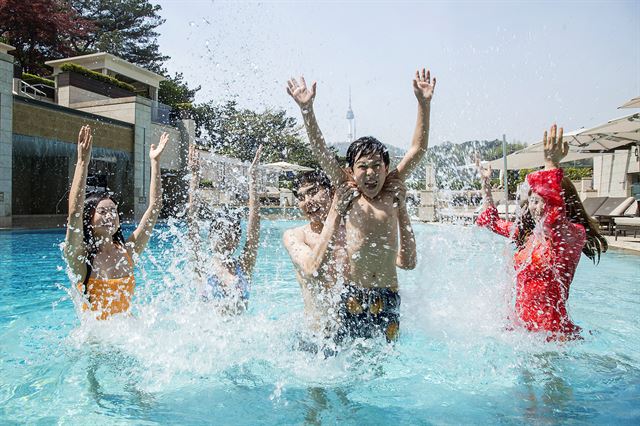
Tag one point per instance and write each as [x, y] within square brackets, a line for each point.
[633, 103]
[612, 135]
[532, 157]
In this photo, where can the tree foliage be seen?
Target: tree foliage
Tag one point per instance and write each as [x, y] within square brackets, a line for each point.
[174, 91]
[232, 131]
[125, 28]
[40, 30]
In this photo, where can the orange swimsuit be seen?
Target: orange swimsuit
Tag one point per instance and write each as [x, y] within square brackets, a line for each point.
[110, 296]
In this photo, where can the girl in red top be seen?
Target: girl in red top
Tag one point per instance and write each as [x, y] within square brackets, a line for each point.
[550, 235]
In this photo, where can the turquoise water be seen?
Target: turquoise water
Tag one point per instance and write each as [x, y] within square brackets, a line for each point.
[178, 361]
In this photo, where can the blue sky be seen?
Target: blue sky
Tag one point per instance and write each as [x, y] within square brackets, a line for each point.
[502, 67]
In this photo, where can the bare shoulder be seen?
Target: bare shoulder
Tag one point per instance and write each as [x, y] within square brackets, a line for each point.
[293, 235]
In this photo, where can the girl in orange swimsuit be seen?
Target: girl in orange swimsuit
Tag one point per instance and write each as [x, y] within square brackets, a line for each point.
[550, 236]
[99, 258]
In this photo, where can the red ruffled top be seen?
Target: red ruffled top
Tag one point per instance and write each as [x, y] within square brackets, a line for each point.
[547, 261]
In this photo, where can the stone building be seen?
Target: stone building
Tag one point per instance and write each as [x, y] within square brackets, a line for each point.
[38, 136]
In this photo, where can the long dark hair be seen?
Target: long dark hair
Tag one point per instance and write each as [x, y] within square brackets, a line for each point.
[575, 212]
[90, 204]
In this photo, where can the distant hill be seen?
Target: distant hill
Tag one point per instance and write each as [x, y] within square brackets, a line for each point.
[449, 161]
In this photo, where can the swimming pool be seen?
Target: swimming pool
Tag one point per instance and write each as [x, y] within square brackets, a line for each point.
[178, 361]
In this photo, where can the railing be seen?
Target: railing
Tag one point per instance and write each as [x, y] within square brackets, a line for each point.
[31, 92]
[161, 113]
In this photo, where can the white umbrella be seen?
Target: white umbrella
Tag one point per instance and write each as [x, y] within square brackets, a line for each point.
[613, 134]
[283, 166]
[532, 157]
[633, 103]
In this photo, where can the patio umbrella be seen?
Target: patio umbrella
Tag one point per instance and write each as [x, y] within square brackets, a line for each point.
[532, 157]
[633, 103]
[611, 135]
[283, 166]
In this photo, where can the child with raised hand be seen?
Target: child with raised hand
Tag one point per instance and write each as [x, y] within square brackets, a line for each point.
[223, 277]
[98, 256]
[370, 302]
[550, 234]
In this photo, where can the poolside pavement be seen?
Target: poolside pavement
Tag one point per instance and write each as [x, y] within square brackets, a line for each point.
[624, 243]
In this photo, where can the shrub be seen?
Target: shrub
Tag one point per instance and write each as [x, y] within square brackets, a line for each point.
[577, 173]
[206, 183]
[35, 79]
[71, 67]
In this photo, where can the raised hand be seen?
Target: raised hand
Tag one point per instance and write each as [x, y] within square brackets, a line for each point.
[300, 93]
[423, 86]
[156, 151]
[555, 149]
[484, 172]
[253, 169]
[345, 194]
[85, 140]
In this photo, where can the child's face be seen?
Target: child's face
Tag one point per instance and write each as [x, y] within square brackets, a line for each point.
[536, 206]
[105, 221]
[314, 200]
[370, 172]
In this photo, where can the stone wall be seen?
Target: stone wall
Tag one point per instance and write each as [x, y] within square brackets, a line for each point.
[611, 173]
[44, 156]
[34, 118]
[123, 109]
[6, 143]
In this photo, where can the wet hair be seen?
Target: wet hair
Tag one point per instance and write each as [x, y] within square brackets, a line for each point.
[366, 145]
[575, 213]
[88, 211]
[525, 224]
[224, 218]
[315, 177]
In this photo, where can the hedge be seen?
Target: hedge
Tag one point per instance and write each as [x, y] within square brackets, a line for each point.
[36, 79]
[206, 183]
[71, 67]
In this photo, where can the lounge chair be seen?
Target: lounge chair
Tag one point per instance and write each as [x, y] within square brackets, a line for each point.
[592, 204]
[627, 224]
[611, 208]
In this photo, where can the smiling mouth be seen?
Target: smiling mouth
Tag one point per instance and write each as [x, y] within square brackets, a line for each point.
[371, 185]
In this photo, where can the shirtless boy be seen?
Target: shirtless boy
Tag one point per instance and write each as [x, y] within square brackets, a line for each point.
[317, 249]
[370, 302]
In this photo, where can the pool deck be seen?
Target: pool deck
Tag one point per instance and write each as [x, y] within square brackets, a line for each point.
[624, 243]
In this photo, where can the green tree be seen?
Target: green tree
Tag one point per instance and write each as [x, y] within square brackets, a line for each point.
[236, 132]
[125, 28]
[175, 92]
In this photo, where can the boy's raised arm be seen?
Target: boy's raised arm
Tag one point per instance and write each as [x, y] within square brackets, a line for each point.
[304, 97]
[423, 87]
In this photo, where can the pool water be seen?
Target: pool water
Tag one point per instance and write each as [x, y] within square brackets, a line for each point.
[178, 361]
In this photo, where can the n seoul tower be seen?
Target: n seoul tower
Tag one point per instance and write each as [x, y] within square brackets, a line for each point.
[351, 118]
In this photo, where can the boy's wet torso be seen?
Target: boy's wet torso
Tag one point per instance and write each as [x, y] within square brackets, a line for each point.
[372, 241]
